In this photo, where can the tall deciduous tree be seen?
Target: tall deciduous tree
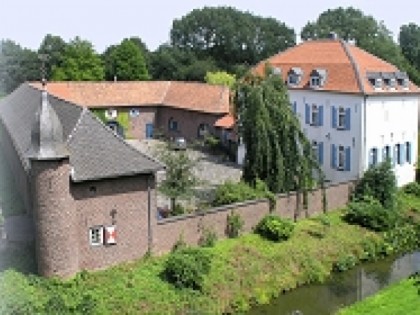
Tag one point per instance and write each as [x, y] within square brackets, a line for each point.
[80, 63]
[52, 48]
[126, 61]
[277, 151]
[409, 39]
[229, 36]
[17, 65]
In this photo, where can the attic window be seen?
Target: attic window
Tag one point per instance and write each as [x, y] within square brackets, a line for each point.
[318, 78]
[402, 79]
[389, 79]
[375, 78]
[294, 76]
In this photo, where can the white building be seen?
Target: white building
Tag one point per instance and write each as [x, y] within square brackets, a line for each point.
[355, 108]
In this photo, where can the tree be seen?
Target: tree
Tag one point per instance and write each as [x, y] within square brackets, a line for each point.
[53, 47]
[125, 62]
[180, 178]
[80, 63]
[352, 24]
[220, 77]
[277, 151]
[17, 65]
[409, 39]
[229, 36]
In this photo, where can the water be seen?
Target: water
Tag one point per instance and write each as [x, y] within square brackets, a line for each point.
[342, 289]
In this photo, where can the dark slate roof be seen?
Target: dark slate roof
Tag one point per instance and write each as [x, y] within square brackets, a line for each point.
[95, 151]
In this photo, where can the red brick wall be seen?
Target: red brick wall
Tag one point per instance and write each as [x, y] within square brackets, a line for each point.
[188, 122]
[137, 125]
[129, 197]
[191, 227]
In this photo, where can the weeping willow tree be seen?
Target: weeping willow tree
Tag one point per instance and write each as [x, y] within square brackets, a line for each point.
[277, 151]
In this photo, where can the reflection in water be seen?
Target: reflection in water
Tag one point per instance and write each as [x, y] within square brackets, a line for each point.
[342, 288]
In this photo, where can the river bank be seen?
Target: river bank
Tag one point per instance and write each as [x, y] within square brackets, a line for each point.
[245, 271]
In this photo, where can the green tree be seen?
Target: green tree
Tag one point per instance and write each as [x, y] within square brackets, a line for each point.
[80, 63]
[277, 151]
[125, 62]
[353, 24]
[229, 36]
[179, 179]
[220, 77]
[53, 48]
[17, 65]
[409, 39]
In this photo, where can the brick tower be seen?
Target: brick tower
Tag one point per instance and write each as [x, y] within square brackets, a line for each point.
[54, 212]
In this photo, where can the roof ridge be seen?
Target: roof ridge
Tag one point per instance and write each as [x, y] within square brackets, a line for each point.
[354, 65]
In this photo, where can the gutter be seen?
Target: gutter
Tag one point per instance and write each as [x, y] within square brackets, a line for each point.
[149, 218]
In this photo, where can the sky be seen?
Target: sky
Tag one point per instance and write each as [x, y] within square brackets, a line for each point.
[105, 22]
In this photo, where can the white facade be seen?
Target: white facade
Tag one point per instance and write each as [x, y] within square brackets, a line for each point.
[347, 146]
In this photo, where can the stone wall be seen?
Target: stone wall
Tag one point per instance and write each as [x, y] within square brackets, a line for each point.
[191, 227]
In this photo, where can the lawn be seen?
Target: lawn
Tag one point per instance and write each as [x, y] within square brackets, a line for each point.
[399, 298]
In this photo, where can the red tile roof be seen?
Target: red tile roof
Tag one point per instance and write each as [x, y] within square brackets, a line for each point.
[346, 66]
[186, 95]
[227, 122]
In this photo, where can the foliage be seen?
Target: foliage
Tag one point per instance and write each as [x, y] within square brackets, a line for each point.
[79, 63]
[370, 213]
[230, 192]
[180, 178]
[409, 39]
[221, 78]
[52, 48]
[125, 62]
[187, 268]
[229, 36]
[208, 238]
[412, 189]
[235, 224]
[274, 228]
[178, 209]
[378, 182]
[399, 298]
[179, 244]
[17, 65]
[277, 150]
[345, 262]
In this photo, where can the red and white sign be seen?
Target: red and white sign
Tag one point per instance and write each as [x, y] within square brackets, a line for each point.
[110, 235]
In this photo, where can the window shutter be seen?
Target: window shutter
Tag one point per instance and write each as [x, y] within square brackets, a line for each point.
[294, 107]
[307, 114]
[110, 235]
[348, 113]
[320, 115]
[395, 157]
[408, 152]
[333, 156]
[321, 153]
[402, 153]
[333, 117]
[348, 159]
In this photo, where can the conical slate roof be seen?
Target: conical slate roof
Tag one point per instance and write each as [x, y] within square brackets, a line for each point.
[47, 141]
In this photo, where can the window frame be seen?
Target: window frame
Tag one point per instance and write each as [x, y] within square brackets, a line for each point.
[341, 157]
[172, 124]
[315, 149]
[315, 81]
[398, 153]
[134, 112]
[314, 118]
[111, 113]
[341, 113]
[407, 148]
[96, 239]
[293, 79]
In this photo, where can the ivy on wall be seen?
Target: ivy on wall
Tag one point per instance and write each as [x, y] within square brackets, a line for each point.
[123, 119]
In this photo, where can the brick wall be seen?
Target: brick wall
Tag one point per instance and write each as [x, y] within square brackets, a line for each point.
[137, 125]
[191, 227]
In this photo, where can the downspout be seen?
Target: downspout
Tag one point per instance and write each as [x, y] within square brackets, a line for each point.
[149, 218]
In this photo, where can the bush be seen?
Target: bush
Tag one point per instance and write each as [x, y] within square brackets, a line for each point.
[208, 239]
[345, 262]
[230, 192]
[234, 225]
[378, 182]
[412, 189]
[370, 214]
[187, 268]
[274, 228]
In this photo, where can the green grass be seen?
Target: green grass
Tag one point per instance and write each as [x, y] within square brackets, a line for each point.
[399, 298]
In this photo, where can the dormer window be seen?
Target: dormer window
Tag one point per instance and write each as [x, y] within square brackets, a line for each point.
[375, 78]
[294, 76]
[402, 79]
[389, 80]
[318, 78]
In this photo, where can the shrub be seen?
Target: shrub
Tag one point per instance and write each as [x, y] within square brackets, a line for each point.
[187, 268]
[208, 239]
[179, 244]
[345, 262]
[370, 214]
[412, 189]
[178, 210]
[274, 228]
[230, 192]
[234, 225]
[378, 182]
